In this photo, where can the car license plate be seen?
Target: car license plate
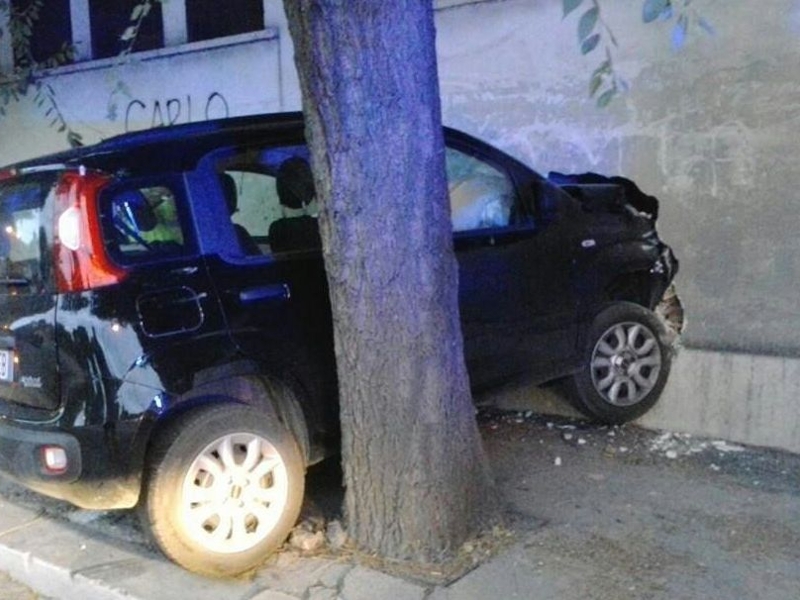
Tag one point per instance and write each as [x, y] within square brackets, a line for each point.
[6, 365]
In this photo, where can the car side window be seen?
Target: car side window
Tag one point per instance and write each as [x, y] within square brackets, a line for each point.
[481, 195]
[271, 199]
[141, 223]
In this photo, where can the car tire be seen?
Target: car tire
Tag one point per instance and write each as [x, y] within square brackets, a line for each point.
[224, 489]
[626, 362]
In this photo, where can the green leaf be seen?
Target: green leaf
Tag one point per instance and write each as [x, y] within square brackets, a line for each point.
[137, 12]
[605, 67]
[653, 9]
[140, 11]
[570, 5]
[128, 34]
[595, 83]
[74, 139]
[606, 97]
[590, 43]
[587, 23]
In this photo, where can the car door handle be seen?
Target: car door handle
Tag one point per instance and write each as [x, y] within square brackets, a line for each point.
[261, 293]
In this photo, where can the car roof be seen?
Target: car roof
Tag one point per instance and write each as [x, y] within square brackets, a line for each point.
[174, 147]
[177, 148]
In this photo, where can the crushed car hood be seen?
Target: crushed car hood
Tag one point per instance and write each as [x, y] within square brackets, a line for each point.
[608, 194]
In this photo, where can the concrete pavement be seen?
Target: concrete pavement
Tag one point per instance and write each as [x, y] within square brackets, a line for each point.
[593, 512]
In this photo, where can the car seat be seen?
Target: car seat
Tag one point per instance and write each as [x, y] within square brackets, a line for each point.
[246, 241]
[295, 187]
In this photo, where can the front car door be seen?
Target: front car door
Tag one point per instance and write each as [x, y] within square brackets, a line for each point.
[516, 300]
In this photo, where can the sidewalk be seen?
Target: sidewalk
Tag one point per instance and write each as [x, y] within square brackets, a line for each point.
[594, 513]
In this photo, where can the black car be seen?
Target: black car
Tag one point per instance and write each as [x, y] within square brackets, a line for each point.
[165, 329]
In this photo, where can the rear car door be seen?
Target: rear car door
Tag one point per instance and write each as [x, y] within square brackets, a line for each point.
[267, 267]
[165, 303]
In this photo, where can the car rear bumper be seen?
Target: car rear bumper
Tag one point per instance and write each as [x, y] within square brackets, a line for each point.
[22, 460]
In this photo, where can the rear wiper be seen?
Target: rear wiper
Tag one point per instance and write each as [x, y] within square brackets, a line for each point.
[14, 281]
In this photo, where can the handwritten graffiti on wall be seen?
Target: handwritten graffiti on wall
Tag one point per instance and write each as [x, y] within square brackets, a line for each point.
[172, 111]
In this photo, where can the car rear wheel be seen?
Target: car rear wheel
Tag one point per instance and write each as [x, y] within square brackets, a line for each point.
[626, 364]
[224, 489]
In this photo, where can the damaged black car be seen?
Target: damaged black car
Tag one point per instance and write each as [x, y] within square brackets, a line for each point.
[165, 328]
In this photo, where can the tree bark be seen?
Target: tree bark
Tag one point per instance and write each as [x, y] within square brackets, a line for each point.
[417, 481]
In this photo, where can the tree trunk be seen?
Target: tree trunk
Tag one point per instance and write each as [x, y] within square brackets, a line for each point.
[417, 482]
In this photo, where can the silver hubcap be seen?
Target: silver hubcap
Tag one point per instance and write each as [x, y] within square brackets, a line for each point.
[234, 493]
[625, 363]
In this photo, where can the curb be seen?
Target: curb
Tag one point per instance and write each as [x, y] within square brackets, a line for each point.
[64, 560]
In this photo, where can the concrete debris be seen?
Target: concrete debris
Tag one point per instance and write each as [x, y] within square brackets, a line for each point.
[307, 537]
[723, 446]
[673, 445]
[335, 535]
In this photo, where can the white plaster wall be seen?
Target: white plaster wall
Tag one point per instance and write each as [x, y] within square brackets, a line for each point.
[194, 82]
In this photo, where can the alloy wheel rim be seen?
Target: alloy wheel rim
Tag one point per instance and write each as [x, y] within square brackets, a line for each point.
[625, 363]
[234, 493]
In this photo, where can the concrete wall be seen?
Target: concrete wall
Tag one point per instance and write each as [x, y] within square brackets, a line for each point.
[741, 397]
[708, 129]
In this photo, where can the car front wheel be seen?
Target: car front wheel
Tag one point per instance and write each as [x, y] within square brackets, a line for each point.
[626, 364]
[224, 489]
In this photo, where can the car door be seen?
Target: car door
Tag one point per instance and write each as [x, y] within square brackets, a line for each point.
[517, 307]
[165, 307]
[268, 268]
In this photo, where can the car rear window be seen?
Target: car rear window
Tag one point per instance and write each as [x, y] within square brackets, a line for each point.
[142, 221]
[26, 232]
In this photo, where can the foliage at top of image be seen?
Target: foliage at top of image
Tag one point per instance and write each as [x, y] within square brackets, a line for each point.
[605, 82]
[24, 79]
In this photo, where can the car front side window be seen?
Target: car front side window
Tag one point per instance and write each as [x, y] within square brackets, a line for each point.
[481, 195]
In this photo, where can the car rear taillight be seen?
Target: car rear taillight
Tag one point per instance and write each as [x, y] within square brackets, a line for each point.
[80, 258]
